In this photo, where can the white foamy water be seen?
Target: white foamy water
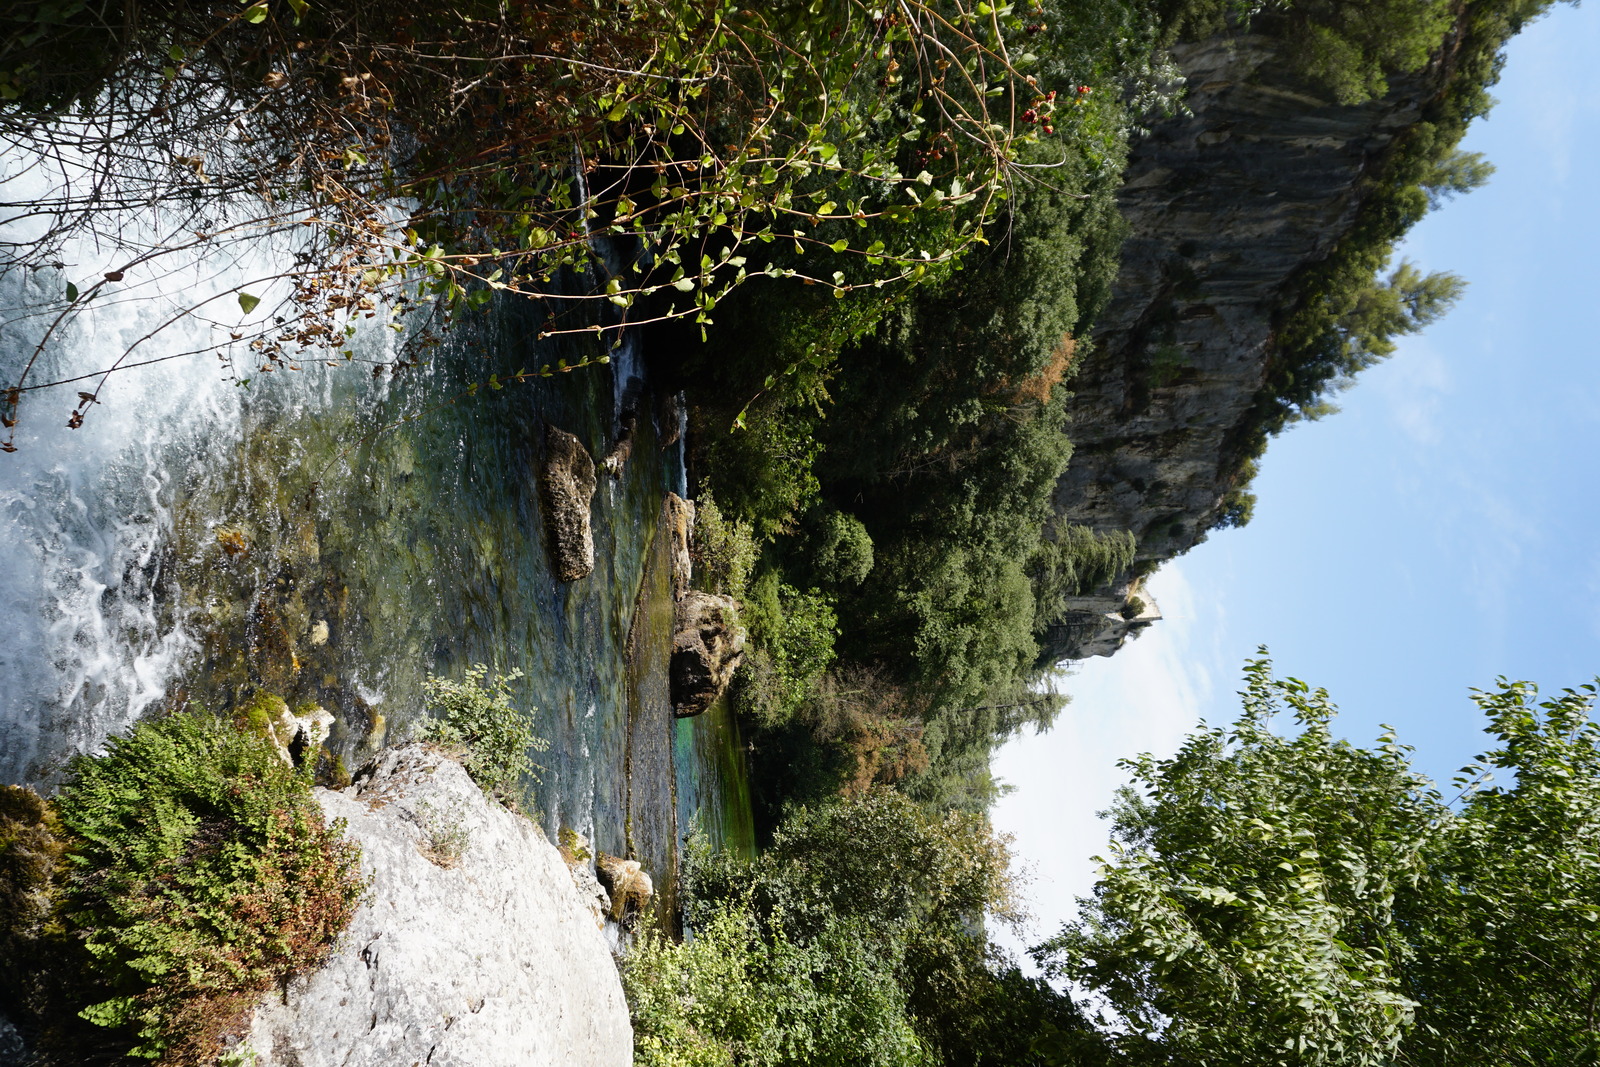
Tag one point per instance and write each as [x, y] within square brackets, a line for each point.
[86, 582]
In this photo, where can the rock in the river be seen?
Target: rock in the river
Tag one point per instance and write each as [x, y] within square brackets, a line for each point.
[617, 460]
[488, 961]
[295, 735]
[707, 645]
[680, 528]
[669, 418]
[630, 888]
[568, 484]
[580, 864]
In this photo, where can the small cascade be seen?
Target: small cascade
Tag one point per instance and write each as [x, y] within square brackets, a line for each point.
[87, 578]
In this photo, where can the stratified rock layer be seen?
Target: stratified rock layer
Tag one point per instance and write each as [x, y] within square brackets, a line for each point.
[472, 948]
[1224, 209]
[567, 484]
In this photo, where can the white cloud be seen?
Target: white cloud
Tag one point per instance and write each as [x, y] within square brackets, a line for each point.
[1414, 385]
[1143, 699]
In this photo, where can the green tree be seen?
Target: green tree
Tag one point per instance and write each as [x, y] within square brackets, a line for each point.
[849, 941]
[1458, 172]
[1290, 898]
[1506, 966]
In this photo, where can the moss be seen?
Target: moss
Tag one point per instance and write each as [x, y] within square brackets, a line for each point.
[332, 773]
[572, 846]
[31, 857]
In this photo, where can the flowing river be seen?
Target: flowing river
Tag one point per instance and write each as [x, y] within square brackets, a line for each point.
[334, 535]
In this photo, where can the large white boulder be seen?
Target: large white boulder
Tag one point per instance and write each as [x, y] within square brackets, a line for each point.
[472, 949]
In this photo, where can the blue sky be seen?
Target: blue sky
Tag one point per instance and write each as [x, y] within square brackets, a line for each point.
[1436, 533]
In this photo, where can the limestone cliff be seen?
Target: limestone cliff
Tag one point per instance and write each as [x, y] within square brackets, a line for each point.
[473, 947]
[1225, 207]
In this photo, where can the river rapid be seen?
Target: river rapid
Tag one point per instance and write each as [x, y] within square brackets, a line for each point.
[334, 534]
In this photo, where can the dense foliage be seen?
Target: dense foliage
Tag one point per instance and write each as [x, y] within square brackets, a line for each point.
[495, 740]
[193, 871]
[847, 942]
[897, 454]
[932, 424]
[1291, 898]
[626, 164]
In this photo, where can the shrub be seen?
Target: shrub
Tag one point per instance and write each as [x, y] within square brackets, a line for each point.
[793, 634]
[31, 855]
[202, 873]
[843, 554]
[725, 549]
[745, 992]
[493, 737]
[446, 838]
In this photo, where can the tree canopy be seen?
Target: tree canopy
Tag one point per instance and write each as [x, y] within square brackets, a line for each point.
[1281, 898]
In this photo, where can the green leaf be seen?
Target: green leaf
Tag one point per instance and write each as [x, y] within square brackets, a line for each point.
[256, 13]
[248, 303]
[72, 292]
[113, 1012]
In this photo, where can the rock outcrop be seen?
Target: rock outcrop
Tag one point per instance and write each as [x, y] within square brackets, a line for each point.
[628, 888]
[580, 864]
[295, 735]
[707, 646]
[616, 460]
[472, 948]
[680, 531]
[1225, 208]
[567, 484]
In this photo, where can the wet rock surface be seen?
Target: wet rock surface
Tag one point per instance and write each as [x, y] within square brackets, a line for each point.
[680, 532]
[567, 484]
[707, 646]
[628, 888]
[490, 960]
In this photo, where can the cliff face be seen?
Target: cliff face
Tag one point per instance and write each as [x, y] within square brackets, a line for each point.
[1224, 208]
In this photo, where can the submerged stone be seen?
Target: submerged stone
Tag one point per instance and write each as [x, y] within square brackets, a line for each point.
[567, 484]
